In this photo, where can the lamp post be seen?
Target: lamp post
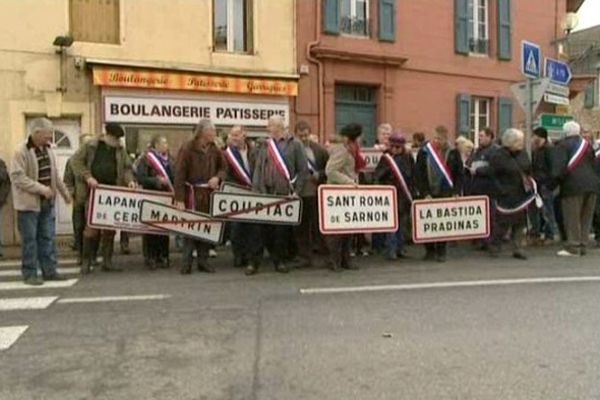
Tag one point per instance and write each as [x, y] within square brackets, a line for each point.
[62, 42]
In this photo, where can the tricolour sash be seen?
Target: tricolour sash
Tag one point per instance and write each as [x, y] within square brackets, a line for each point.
[159, 168]
[597, 153]
[579, 155]
[279, 160]
[312, 166]
[439, 164]
[191, 194]
[534, 196]
[398, 175]
[234, 158]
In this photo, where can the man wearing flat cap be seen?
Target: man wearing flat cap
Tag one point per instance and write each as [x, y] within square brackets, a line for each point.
[102, 161]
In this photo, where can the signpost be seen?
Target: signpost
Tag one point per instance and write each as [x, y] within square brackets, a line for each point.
[558, 71]
[257, 208]
[461, 218]
[372, 157]
[357, 209]
[531, 62]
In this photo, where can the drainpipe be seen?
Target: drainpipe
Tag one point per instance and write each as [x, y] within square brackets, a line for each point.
[319, 64]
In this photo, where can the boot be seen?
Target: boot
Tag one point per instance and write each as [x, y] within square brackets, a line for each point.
[107, 253]
[86, 256]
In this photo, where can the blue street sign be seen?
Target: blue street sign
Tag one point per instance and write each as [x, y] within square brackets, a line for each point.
[531, 59]
[558, 71]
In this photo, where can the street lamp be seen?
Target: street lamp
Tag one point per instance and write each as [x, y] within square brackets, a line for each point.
[62, 42]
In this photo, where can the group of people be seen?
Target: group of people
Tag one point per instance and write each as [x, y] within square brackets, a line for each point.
[521, 189]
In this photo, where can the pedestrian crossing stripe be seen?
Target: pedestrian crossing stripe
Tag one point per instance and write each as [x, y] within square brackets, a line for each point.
[9, 273]
[10, 334]
[47, 285]
[26, 303]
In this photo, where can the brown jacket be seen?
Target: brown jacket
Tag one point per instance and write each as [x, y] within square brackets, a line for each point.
[195, 166]
[340, 167]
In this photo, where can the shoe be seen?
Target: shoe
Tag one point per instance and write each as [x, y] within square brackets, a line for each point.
[162, 263]
[566, 253]
[33, 281]
[204, 266]
[519, 255]
[440, 258]
[125, 248]
[365, 253]
[237, 262]
[55, 277]
[150, 264]
[582, 251]
[250, 270]
[282, 268]
[335, 267]
[212, 253]
[391, 256]
[349, 265]
[186, 269]
[352, 254]
[429, 257]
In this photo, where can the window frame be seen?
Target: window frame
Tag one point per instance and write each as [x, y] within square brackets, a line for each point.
[474, 24]
[230, 35]
[475, 117]
[353, 8]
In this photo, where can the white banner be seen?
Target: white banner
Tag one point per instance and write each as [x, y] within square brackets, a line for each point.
[159, 110]
[259, 208]
[372, 157]
[167, 218]
[118, 208]
[357, 209]
[449, 219]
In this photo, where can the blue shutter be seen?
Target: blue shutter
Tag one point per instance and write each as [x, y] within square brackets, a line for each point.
[463, 114]
[505, 114]
[461, 26]
[590, 95]
[387, 20]
[331, 16]
[504, 30]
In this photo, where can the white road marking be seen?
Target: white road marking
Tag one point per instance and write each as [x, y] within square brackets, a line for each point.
[9, 335]
[9, 273]
[47, 285]
[103, 299]
[26, 303]
[17, 263]
[439, 285]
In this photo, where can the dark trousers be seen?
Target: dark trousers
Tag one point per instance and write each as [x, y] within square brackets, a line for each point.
[246, 242]
[276, 239]
[578, 212]
[512, 226]
[339, 249]
[78, 219]
[189, 245]
[436, 249]
[306, 233]
[156, 247]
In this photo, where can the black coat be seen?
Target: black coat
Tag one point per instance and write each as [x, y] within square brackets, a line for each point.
[4, 183]
[509, 170]
[542, 162]
[383, 175]
[425, 188]
[231, 176]
[482, 182]
[582, 179]
[147, 176]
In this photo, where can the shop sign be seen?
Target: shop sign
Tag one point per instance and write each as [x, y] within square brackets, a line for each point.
[174, 111]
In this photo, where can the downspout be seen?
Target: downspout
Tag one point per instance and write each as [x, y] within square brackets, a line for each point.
[319, 64]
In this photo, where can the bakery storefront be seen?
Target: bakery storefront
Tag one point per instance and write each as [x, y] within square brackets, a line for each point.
[148, 102]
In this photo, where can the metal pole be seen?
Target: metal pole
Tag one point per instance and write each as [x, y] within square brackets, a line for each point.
[529, 115]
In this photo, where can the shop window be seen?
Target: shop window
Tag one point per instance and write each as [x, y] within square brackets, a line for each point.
[232, 24]
[480, 116]
[94, 20]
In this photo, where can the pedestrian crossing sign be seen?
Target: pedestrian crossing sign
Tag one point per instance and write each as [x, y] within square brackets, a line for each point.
[531, 59]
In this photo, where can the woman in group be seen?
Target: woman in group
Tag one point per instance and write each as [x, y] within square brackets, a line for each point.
[155, 172]
[345, 161]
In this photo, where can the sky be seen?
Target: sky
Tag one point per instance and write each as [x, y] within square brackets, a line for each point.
[589, 14]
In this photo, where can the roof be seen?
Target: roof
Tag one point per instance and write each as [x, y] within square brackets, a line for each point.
[574, 5]
[581, 42]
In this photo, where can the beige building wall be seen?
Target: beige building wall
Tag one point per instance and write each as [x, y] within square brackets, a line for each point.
[160, 34]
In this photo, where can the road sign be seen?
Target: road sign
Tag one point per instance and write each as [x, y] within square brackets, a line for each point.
[538, 88]
[558, 71]
[554, 122]
[558, 90]
[553, 99]
[531, 59]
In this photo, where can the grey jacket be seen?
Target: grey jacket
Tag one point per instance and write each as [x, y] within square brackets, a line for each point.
[340, 169]
[295, 161]
[27, 192]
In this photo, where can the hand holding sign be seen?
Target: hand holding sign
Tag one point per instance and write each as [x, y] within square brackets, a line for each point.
[92, 183]
[213, 183]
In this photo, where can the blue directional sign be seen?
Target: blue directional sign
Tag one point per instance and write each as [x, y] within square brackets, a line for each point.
[531, 59]
[558, 71]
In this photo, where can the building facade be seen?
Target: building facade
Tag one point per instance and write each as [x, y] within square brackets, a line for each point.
[418, 64]
[154, 66]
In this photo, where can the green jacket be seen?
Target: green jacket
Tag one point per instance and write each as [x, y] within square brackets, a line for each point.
[81, 164]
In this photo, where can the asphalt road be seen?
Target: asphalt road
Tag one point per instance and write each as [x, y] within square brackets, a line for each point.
[274, 336]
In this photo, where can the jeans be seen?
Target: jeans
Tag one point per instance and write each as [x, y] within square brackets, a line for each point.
[37, 230]
[543, 219]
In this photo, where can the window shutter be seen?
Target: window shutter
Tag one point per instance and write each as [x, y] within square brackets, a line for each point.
[461, 26]
[463, 114]
[505, 114]
[504, 30]
[387, 20]
[590, 96]
[331, 16]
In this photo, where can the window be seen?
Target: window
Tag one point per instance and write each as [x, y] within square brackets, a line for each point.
[95, 20]
[480, 117]
[354, 17]
[478, 12]
[232, 22]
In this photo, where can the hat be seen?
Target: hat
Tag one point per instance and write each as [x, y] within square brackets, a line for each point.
[114, 130]
[397, 139]
[351, 131]
[540, 131]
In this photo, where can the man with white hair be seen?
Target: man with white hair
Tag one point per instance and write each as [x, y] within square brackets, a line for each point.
[280, 169]
[384, 131]
[573, 168]
[35, 183]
